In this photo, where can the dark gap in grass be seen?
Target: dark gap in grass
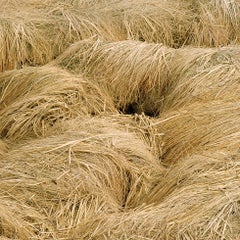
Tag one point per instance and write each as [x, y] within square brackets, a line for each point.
[135, 108]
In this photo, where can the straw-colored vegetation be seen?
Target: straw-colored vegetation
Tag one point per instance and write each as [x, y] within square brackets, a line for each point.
[153, 78]
[65, 180]
[204, 75]
[36, 32]
[135, 73]
[197, 199]
[3, 147]
[197, 127]
[34, 99]
[119, 119]
[164, 22]
[216, 22]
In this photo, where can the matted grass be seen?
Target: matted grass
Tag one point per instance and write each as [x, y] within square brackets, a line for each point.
[198, 127]
[203, 75]
[200, 201]
[3, 147]
[152, 78]
[165, 22]
[22, 39]
[34, 32]
[216, 23]
[53, 185]
[74, 164]
[34, 99]
[136, 74]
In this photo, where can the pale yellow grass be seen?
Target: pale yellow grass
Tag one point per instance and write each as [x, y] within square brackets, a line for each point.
[151, 78]
[202, 75]
[165, 22]
[34, 99]
[216, 23]
[198, 199]
[136, 74]
[52, 186]
[3, 147]
[198, 127]
[35, 32]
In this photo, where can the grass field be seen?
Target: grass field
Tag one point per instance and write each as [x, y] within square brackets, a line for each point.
[120, 120]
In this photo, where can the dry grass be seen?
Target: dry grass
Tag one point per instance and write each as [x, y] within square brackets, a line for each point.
[79, 20]
[197, 127]
[33, 33]
[173, 23]
[201, 201]
[136, 74]
[164, 22]
[34, 99]
[73, 166]
[216, 23]
[3, 147]
[202, 75]
[51, 186]
[22, 40]
[151, 78]
[178, 23]
[141, 125]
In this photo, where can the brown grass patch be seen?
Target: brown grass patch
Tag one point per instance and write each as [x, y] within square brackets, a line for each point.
[3, 147]
[202, 203]
[163, 22]
[22, 39]
[51, 186]
[34, 99]
[135, 74]
[202, 75]
[81, 20]
[216, 23]
[151, 78]
[198, 127]
[33, 33]
[72, 166]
